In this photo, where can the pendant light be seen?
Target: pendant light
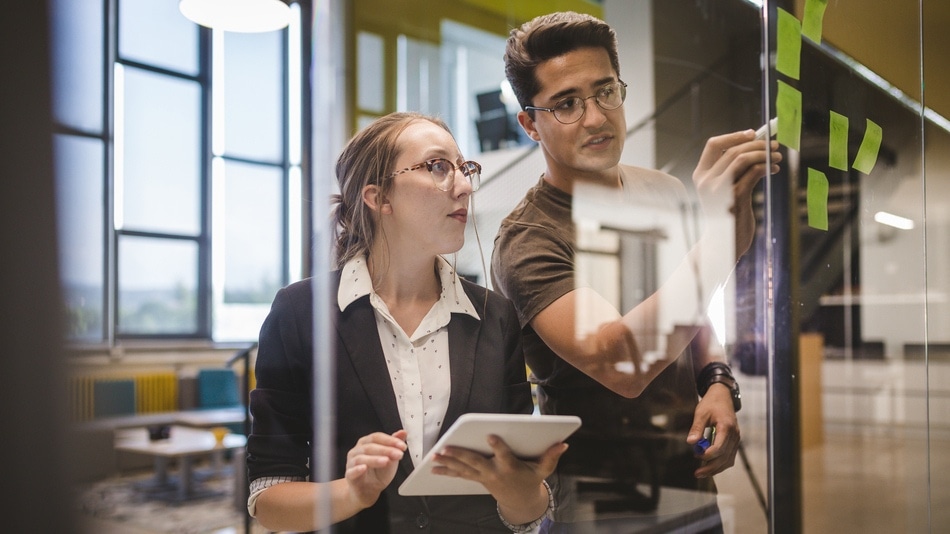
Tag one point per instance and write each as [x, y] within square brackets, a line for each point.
[237, 15]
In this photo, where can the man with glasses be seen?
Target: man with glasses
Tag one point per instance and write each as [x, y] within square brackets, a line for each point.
[641, 421]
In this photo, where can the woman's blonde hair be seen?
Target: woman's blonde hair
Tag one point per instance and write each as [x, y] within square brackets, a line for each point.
[368, 159]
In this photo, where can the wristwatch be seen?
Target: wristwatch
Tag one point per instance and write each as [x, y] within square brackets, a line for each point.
[718, 372]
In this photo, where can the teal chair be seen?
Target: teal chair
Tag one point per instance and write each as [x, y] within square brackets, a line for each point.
[218, 388]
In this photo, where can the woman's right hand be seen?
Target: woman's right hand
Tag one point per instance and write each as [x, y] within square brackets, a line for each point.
[371, 465]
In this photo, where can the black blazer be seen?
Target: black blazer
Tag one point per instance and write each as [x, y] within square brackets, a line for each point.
[488, 376]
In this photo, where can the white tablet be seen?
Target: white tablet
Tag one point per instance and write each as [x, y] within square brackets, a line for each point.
[528, 436]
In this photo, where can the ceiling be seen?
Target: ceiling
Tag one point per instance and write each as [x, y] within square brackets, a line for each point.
[887, 37]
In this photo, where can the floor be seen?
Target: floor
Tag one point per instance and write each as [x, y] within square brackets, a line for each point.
[868, 480]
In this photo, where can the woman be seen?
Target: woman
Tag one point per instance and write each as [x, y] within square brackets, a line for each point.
[416, 347]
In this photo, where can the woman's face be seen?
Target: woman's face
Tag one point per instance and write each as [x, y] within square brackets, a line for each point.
[419, 217]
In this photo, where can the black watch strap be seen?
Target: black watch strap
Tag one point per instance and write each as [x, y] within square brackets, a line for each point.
[719, 373]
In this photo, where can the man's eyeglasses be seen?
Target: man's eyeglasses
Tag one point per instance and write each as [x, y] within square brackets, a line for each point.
[570, 110]
[443, 172]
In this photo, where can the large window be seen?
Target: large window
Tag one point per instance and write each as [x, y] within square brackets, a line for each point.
[178, 171]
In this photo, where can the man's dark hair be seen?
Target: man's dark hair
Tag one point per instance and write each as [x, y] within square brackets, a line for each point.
[549, 36]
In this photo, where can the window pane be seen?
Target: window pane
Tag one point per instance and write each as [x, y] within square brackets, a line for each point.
[80, 209]
[77, 63]
[370, 51]
[253, 244]
[253, 92]
[158, 286]
[161, 167]
[155, 32]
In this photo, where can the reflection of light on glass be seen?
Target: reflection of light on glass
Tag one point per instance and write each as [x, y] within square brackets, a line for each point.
[119, 147]
[901, 223]
[716, 312]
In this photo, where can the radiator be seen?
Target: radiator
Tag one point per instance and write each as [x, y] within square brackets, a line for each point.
[156, 392]
[82, 400]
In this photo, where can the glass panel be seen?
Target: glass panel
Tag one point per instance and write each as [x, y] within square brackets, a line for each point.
[156, 33]
[850, 120]
[253, 95]
[253, 233]
[158, 284]
[161, 164]
[81, 212]
[77, 63]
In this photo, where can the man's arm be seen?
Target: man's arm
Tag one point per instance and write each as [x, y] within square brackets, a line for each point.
[729, 168]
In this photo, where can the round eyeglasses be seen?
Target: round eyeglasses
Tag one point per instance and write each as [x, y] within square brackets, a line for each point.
[443, 172]
[570, 110]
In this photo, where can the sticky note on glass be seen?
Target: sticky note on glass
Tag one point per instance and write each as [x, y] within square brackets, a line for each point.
[838, 141]
[812, 19]
[817, 199]
[788, 44]
[870, 145]
[788, 109]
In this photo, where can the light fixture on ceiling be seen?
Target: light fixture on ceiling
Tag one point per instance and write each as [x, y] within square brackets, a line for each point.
[237, 15]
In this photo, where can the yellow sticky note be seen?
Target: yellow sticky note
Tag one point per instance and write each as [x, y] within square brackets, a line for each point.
[788, 109]
[838, 141]
[812, 19]
[817, 199]
[870, 145]
[788, 44]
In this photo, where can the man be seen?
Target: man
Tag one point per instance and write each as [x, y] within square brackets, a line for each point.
[640, 420]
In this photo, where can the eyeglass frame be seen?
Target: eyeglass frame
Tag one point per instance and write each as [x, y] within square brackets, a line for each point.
[455, 168]
[553, 110]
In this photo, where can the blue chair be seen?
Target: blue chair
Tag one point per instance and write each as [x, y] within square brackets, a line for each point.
[218, 388]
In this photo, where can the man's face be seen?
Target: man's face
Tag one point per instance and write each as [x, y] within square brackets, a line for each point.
[589, 148]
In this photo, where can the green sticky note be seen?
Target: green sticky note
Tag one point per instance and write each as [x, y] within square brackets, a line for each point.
[817, 199]
[788, 44]
[788, 109]
[838, 141]
[867, 153]
[811, 20]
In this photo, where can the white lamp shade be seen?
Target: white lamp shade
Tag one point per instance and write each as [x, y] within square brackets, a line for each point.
[237, 15]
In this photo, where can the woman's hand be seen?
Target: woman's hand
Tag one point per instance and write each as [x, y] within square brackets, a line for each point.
[371, 465]
[514, 483]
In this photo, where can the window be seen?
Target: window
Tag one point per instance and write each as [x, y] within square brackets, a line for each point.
[178, 171]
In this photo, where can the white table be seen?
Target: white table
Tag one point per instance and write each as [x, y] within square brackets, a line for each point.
[184, 444]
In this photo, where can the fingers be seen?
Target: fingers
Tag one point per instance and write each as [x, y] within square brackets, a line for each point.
[377, 449]
[715, 410]
[717, 146]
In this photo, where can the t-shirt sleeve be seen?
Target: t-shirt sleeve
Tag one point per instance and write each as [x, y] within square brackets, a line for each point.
[532, 266]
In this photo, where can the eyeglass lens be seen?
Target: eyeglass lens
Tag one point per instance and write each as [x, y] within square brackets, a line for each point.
[443, 172]
[572, 108]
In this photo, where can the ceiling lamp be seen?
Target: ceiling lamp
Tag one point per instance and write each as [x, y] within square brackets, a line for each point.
[237, 15]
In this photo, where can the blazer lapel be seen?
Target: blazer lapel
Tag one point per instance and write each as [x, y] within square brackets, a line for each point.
[357, 329]
[463, 343]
